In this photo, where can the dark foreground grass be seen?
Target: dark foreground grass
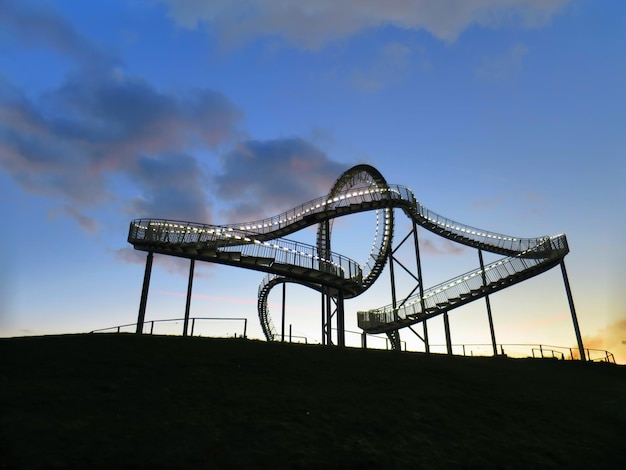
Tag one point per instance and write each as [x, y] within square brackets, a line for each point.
[118, 401]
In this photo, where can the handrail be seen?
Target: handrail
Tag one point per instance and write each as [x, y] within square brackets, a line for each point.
[542, 352]
[244, 236]
[601, 355]
[160, 232]
[193, 319]
[273, 228]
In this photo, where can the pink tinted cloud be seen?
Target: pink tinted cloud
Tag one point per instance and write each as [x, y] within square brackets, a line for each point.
[67, 142]
[312, 25]
[440, 247]
[611, 338]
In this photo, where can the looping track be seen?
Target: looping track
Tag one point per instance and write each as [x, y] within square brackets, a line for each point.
[261, 246]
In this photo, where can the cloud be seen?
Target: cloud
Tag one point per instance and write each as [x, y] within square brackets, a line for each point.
[440, 248]
[391, 64]
[611, 338]
[172, 264]
[101, 125]
[172, 187]
[87, 223]
[489, 203]
[97, 130]
[41, 26]
[504, 65]
[264, 178]
[311, 25]
[68, 142]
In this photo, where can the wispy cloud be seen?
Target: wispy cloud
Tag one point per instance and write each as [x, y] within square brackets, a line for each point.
[312, 25]
[99, 123]
[264, 178]
[391, 64]
[87, 223]
[611, 338]
[40, 26]
[68, 141]
[440, 247]
[488, 203]
[503, 66]
[99, 128]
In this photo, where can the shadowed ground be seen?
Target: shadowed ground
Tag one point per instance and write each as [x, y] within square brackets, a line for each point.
[110, 401]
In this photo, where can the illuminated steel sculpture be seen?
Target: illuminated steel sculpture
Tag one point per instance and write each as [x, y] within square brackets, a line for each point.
[261, 246]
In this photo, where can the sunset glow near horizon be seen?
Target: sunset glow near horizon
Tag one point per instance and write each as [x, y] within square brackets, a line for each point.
[506, 116]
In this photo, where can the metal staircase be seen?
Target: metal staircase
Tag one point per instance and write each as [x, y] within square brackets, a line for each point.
[465, 288]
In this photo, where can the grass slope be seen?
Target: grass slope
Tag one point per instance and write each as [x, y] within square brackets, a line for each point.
[111, 401]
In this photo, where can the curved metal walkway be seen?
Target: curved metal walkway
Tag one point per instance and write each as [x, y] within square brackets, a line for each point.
[261, 245]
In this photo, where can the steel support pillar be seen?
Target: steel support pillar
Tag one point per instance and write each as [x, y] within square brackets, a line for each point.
[364, 340]
[426, 342]
[144, 293]
[323, 317]
[421, 285]
[341, 325]
[446, 325]
[570, 300]
[188, 303]
[394, 302]
[488, 303]
[329, 321]
[282, 329]
[323, 247]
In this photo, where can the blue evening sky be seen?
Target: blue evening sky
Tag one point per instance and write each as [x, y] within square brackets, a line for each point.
[508, 115]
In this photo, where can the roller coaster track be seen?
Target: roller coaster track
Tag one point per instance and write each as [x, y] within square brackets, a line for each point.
[261, 245]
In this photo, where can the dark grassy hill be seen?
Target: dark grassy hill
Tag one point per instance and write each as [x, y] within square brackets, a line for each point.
[112, 401]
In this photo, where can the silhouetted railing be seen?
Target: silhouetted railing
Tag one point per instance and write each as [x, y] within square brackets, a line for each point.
[537, 351]
[150, 325]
